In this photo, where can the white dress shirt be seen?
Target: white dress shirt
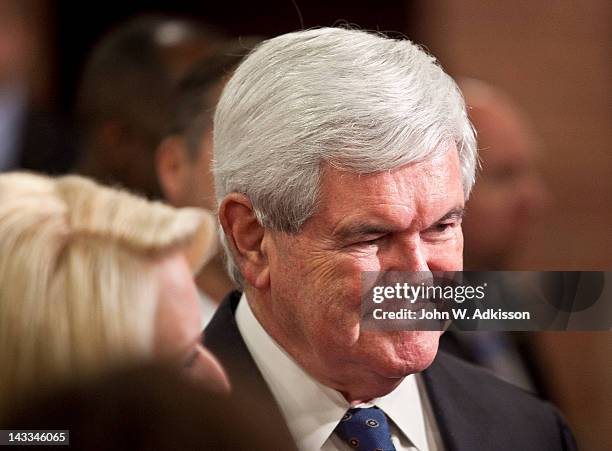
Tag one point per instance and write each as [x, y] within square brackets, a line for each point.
[312, 410]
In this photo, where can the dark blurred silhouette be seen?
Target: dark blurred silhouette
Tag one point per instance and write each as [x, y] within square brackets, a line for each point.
[124, 103]
[31, 136]
[184, 158]
[150, 408]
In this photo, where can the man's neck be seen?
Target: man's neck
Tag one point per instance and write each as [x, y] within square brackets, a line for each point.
[342, 379]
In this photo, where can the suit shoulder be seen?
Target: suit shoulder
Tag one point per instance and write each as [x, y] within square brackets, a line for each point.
[473, 399]
[465, 376]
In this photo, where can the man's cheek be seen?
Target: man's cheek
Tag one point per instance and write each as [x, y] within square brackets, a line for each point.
[446, 259]
[358, 261]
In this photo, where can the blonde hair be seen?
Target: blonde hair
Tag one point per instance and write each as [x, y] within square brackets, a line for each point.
[77, 288]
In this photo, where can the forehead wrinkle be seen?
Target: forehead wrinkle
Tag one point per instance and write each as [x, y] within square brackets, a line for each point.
[408, 191]
[383, 209]
[375, 219]
[384, 188]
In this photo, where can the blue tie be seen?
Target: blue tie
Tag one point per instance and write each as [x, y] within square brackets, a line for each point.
[365, 430]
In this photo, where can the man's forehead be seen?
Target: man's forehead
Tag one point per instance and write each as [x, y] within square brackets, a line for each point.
[434, 174]
[397, 195]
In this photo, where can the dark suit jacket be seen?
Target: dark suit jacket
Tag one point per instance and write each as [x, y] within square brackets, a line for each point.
[474, 410]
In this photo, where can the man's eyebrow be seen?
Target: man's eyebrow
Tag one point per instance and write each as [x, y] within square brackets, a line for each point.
[365, 228]
[358, 229]
[455, 213]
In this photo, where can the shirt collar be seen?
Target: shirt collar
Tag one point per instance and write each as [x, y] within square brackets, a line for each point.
[311, 409]
[404, 406]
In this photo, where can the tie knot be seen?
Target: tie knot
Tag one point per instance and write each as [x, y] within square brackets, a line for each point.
[365, 429]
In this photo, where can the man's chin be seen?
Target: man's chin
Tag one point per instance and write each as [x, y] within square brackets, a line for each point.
[414, 352]
[382, 360]
[399, 370]
[386, 377]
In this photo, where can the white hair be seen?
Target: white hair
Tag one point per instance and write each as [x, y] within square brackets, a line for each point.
[78, 290]
[358, 101]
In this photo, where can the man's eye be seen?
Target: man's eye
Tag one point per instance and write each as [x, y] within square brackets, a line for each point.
[443, 229]
[372, 241]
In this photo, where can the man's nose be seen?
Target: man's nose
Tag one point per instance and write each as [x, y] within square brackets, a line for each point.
[409, 255]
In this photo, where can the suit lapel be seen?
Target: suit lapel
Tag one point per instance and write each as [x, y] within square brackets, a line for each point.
[223, 338]
[454, 426]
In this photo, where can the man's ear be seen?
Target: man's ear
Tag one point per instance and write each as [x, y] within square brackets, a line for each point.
[245, 237]
[172, 166]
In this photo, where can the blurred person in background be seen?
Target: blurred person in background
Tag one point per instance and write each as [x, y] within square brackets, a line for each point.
[31, 136]
[124, 102]
[184, 158]
[507, 200]
[93, 278]
[510, 194]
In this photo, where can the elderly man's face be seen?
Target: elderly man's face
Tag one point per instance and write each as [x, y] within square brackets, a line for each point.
[407, 219]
